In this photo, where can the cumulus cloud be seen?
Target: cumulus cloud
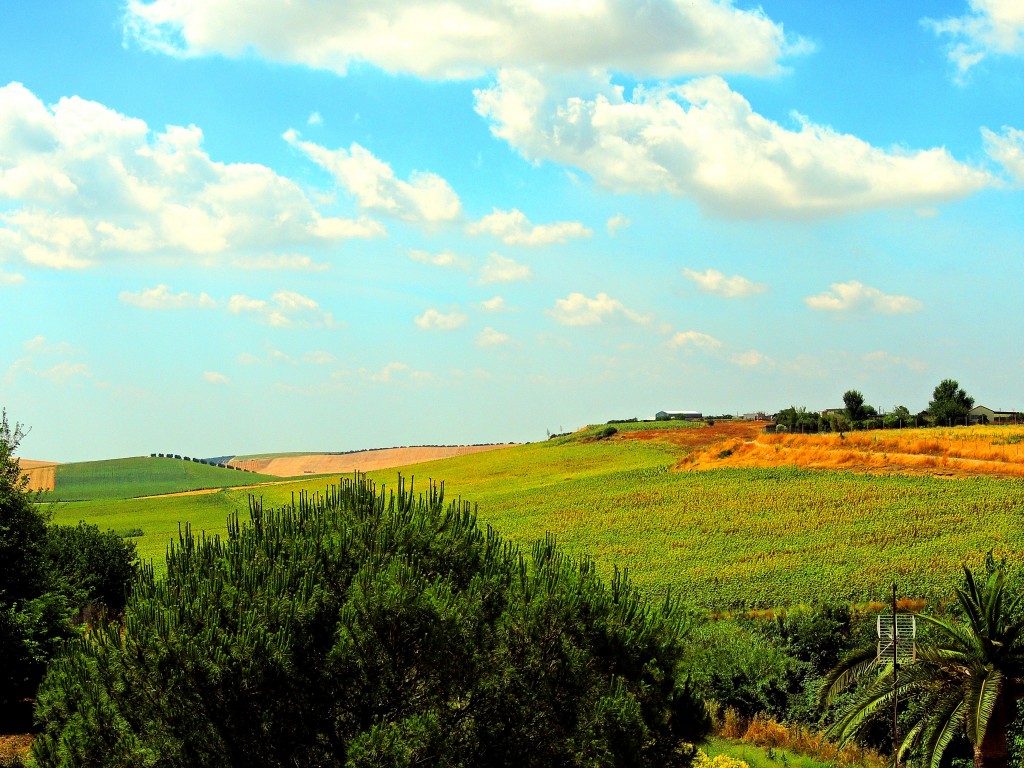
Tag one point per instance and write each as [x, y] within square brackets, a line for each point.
[713, 281]
[494, 304]
[445, 258]
[515, 229]
[489, 337]
[882, 360]
[161, 297]
[48, 360]
[990, 27]
[11, 278]
[425, 197]
[855, 296]
[432, 320]
[284, 309]
[502, 269]
[752, 359]
[297, 262]
[702, 140]
[1007, 149]
[694, 339]
[80, 182]
[577, 310]
[617, 223]
[212, 377]
[393, 371]
[457, 39]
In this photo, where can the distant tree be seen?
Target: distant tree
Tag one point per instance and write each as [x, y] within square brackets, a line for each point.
[854, 402]
[949, 403]
[359, 628]
[796, 419]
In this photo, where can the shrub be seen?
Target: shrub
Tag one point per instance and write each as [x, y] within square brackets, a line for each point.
[357, 628]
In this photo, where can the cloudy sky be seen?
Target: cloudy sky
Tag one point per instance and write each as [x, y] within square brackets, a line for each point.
[230, 226]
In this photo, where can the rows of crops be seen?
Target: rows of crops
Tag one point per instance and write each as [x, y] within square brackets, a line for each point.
[747, 537]
[140, 476]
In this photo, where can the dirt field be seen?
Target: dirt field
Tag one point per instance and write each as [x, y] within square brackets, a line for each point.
[40, 474]
[363, 461]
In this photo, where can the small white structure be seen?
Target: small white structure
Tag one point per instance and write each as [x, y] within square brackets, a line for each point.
[979, 414]
[678, 415]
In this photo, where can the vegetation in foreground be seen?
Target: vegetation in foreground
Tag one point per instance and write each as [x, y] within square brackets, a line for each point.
[363, 629]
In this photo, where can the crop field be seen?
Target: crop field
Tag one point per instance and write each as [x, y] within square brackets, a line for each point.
[725, 538]
[140, 476]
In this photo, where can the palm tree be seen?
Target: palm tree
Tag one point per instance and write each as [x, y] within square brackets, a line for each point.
[966, 679]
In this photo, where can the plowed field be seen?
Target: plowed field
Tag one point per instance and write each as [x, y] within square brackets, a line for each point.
[41, 474]
[363, 461]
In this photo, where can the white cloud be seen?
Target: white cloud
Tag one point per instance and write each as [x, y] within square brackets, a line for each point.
[1007, 149]
[432, 320]
[752, 359]
[212, 377]
[426, 197]
[445, 258]
[990, 27]
[702, 140]
[319, 357]
[161, 297]
[494, 304]
[515, 229]
[489, 337]
[11, 278]
[48, 360]
[393, 371]
[713, 281]
[284, 309]
[65, 370]
[855, 296]
[465, 38]
[577, 310]
[315, 118]
[694, 339]
[881, 360]
[617, 223]
[80, 183]
[285, 261]
[502, 269]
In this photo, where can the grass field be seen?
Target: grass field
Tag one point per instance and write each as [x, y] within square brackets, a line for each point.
[141, 476]
[724, 538]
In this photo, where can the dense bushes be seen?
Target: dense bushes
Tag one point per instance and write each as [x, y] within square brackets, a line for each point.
[49, 576]
[362, 629]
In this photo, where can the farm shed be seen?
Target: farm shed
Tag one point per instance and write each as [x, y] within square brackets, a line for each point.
[678, 415]
[979, 414]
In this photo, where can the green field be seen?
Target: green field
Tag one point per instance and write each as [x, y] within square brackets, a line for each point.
[724, 539]
[141, 476]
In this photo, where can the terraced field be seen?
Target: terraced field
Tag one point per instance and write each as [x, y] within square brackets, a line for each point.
[727, 537]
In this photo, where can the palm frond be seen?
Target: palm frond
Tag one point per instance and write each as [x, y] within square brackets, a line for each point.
[981, 697]
[846, 673]
[942, 727]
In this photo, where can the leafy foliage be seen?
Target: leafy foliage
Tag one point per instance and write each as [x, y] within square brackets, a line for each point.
[949, 403]
[362, 628]
[967, 677]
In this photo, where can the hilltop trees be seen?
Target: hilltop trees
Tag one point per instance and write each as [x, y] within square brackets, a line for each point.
[950, 403]
[358, 628]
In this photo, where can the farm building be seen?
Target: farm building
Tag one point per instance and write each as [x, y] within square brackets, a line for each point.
[979, 414]
[678, 415]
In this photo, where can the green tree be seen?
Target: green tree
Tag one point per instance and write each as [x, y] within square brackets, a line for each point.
[967, 678]
[853, 400]
[360, 628]
[949, 404]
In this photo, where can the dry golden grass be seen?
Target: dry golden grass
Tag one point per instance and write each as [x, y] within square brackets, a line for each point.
[957, 452]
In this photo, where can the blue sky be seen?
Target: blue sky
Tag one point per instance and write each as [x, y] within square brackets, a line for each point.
[232, 227]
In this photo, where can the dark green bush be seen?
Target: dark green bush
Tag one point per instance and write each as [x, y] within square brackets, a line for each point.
[363, 629]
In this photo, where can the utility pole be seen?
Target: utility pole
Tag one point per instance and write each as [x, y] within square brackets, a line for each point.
[895, 701]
